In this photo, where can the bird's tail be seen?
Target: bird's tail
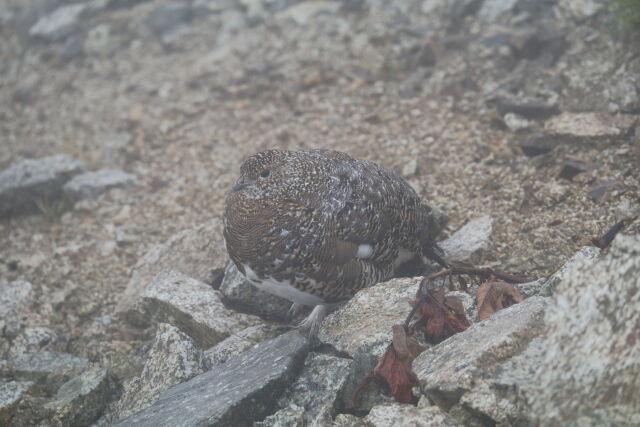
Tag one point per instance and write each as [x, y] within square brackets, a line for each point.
[435, 253]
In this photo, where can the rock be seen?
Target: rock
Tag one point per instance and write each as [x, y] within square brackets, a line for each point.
[100, 41]
[236, 344]
[599, 191]
[592, 319]
[239, 392]
[301, 13]
[10, 395]
[291, 416]
[15, 299]
[72, 47]
[6, 13]
[625, 94]
[47, 370]
[492, 9]
[347, 420]
[58, 24]
[515, 122]
[407, 415]
[34, 180]
[90, 185]
[472, 237]
[245, 296]
[584, 255]
[255, 10]
[363, 329]
[116, 4]
[410, 168]
[213, 6]
[449, 370]
[589, 126]
[544, 43]
[582, 9]
[113, 145]
[365, 359]
[527, 108]
[172, 359]
[485, 401]
[82, 400]
[31, 340]
[197, 252]
[536, 146]
[167, 17]
[367, 318]
[232, 22]
[193, 307]
[318, 386]
[530, 289]
[571, 168]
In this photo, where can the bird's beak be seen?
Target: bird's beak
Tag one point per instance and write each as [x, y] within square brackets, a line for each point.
[239, 186]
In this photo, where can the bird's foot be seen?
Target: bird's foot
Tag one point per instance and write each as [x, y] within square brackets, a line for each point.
[313, 321]
[294, 310]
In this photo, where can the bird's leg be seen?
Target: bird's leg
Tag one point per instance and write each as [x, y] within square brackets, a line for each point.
[314, 320]
[294, 310]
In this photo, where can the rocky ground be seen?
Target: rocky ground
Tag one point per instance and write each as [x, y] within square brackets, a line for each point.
[123, 124]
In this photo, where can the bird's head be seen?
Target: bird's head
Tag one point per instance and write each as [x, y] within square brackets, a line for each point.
[263, 175]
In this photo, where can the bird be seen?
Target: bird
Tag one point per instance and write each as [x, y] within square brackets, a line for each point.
[316, 226]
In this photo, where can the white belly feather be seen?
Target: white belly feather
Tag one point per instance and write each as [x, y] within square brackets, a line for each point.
[282, 288]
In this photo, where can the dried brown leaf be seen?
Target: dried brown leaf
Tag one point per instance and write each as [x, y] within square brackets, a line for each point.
[495, 295]
[394, 367]
[441, 317]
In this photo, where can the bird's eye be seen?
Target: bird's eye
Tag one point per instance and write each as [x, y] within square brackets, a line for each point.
[265, 173]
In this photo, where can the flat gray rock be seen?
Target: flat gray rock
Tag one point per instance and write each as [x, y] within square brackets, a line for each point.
[90, 185]
[47, 370]
[31, 181]
[31, 340]
[318, 387]
[239, 392]
[590, 126]
[81, 400]
[302, 12]
[363, 330]
[408, 415]
[291, 416]
[10, 395]
[167, 17]
[172, 359]
[368, 317]
[472, 237]
[236, 344]
[15, 298]
[193, 307]
[446, 371]
[198, 252]
[59, 23]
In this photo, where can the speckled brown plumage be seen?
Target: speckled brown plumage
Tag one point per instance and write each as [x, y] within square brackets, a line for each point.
[323, 223]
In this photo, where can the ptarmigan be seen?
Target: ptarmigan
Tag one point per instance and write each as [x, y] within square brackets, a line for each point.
[316, 226]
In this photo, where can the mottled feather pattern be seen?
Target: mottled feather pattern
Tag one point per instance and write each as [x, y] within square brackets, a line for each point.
[322, 221]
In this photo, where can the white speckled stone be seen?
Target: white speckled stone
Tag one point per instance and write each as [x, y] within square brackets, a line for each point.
[193, 307]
